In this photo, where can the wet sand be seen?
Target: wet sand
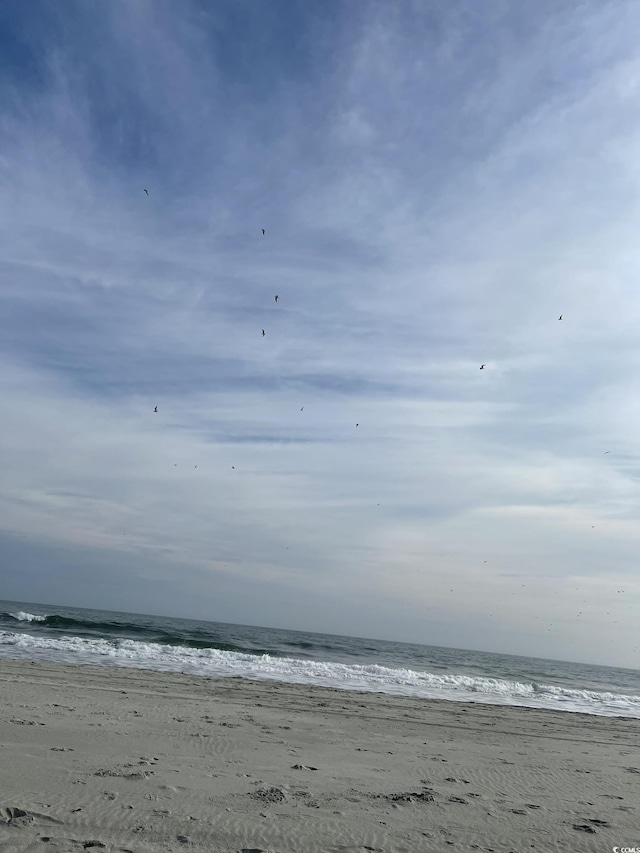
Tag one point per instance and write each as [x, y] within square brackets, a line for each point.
[110, 759]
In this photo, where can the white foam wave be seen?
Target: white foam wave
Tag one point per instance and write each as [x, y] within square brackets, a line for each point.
[373, 677]
[21, 616]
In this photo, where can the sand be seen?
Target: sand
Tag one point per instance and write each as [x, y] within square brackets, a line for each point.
[107, 759]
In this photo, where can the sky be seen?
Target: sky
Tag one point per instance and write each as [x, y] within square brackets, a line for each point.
[438, 182]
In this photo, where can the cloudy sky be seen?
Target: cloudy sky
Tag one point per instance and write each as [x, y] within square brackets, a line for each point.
[438, 182]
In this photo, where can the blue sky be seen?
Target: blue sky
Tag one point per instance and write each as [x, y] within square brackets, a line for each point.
[438, 182]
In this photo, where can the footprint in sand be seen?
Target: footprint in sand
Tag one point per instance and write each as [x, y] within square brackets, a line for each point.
[269, 795]
[583, 827]
[412, 796]
[13, 816]
[70, 844]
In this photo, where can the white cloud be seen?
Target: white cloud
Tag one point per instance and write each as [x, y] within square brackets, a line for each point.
[425, 213]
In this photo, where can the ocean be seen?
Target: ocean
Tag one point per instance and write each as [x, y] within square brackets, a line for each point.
[74, 635]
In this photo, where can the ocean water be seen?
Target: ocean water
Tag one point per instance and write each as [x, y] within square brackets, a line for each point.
[75, 635]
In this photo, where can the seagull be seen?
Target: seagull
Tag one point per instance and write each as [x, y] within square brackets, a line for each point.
[560, 317]
[276, 297]
[302, 409]
[357, 425]
[606, 451]
[263, 232]
[233, 466]
[482, 366]
[156, 409]
[263, 333]
[147, 192]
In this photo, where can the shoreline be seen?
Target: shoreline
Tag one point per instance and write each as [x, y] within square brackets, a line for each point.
[142, 760]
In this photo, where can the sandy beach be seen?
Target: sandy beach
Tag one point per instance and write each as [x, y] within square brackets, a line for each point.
[112, 759]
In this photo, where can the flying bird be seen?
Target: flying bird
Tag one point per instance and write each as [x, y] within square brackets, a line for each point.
[357, 425]
[147, 192]
[156, 409]
[482, 367]
[606, 451]
[560, 317]
[302, 409]
[276, 297]
[263, 232]
[263, 333]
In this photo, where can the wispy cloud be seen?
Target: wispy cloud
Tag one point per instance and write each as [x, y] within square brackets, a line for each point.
[437, 187]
